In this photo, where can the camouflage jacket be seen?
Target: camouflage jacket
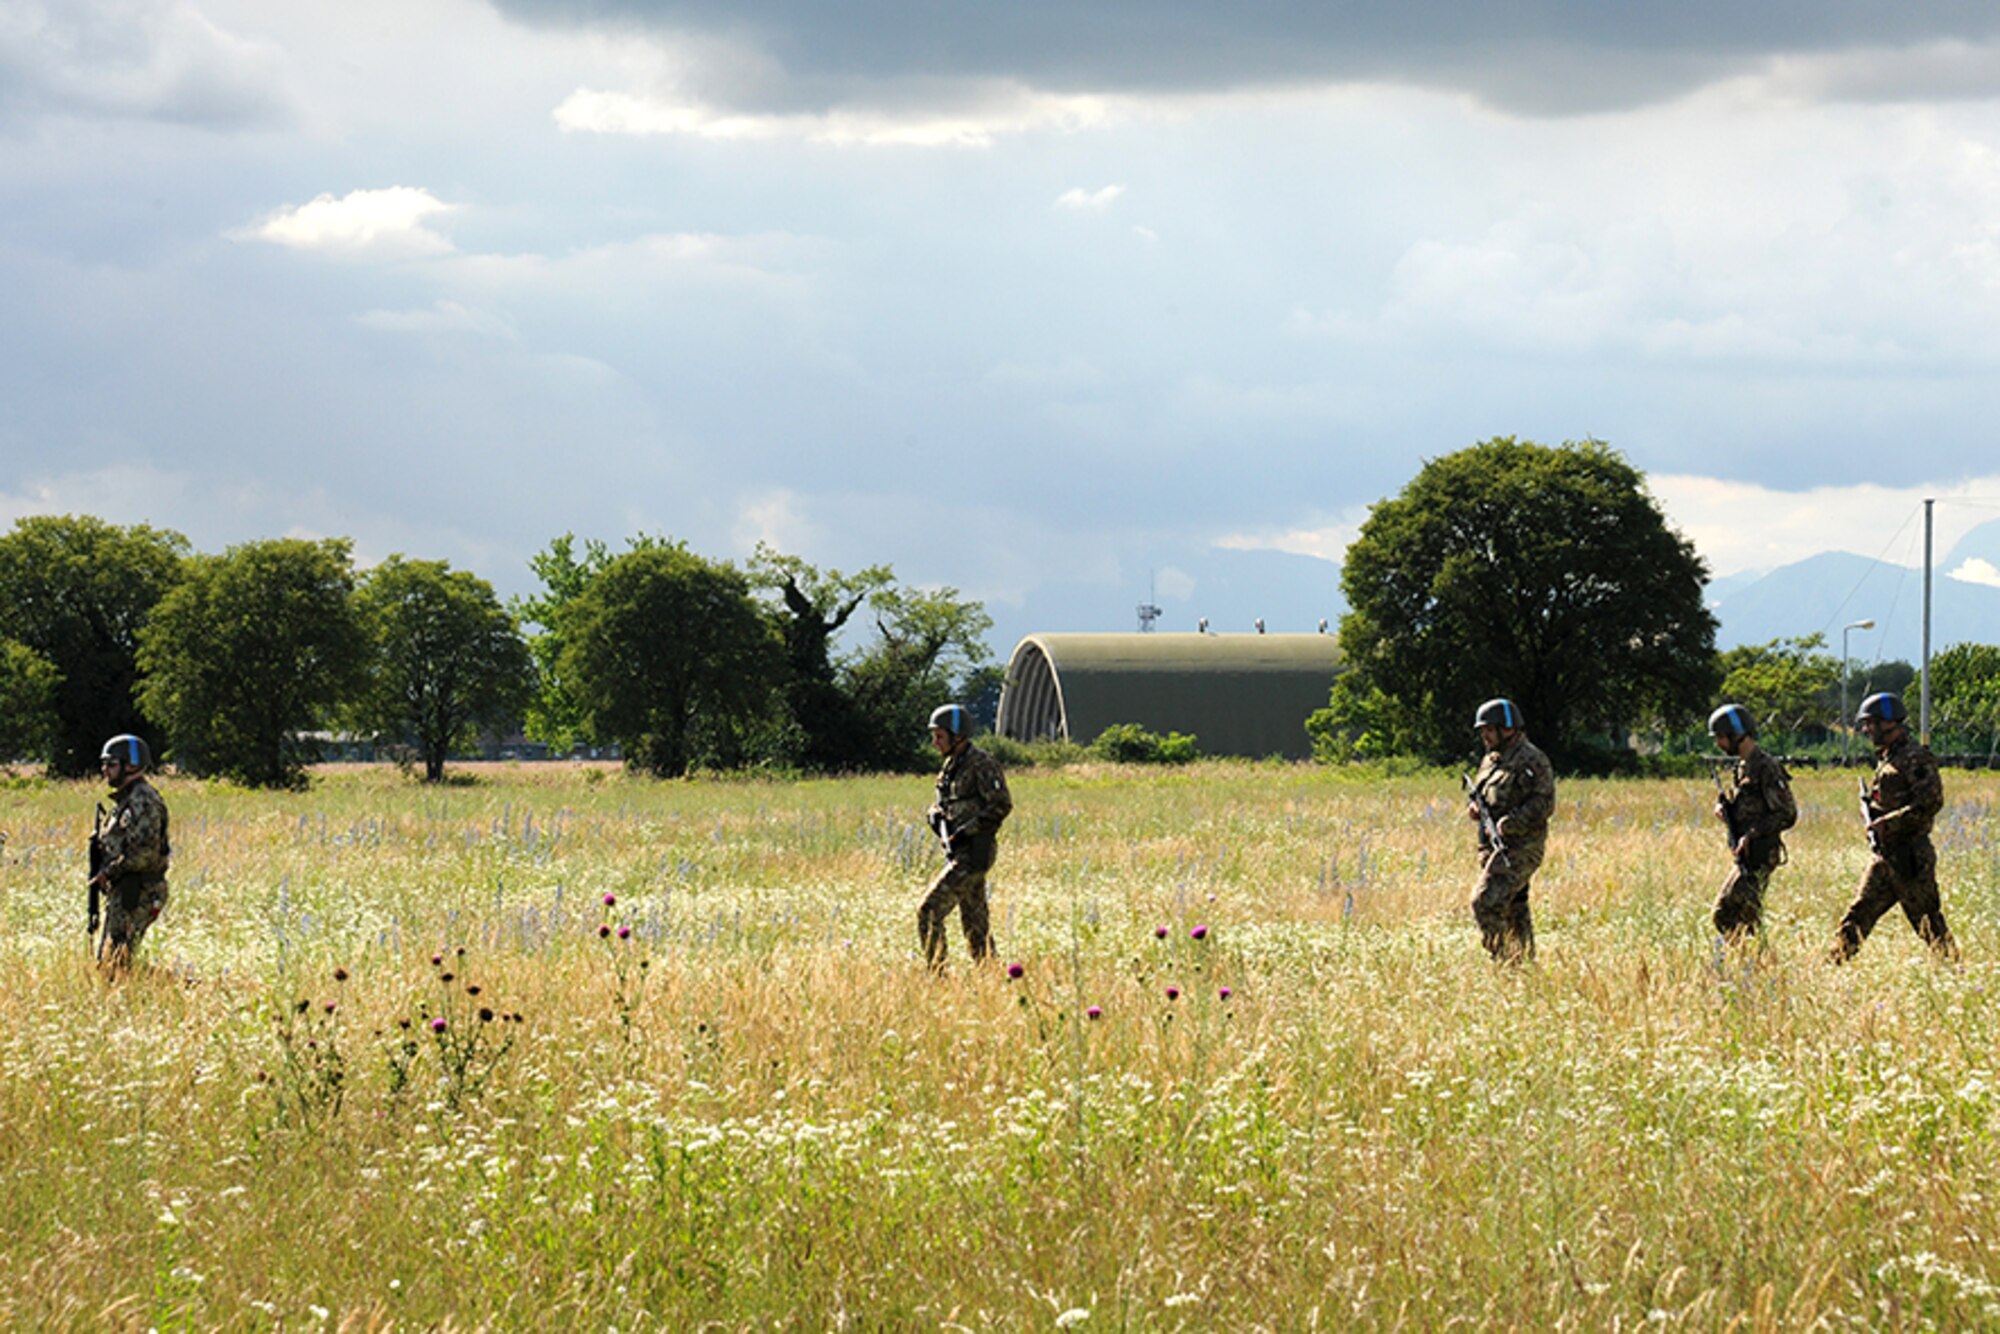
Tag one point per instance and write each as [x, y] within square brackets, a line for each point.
[1908, 791]
[972, 796]
[1520, 788]
[1763, 806]
[135, 836]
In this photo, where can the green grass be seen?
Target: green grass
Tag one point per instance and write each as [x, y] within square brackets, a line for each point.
[759, 1111]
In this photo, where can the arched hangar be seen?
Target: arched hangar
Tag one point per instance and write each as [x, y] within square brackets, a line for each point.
[1236, 694]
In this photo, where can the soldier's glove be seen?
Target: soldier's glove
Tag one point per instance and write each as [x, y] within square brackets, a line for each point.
[935, 818]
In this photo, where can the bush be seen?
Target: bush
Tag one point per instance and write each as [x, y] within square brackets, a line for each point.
[1129, 743]
[1014, 754]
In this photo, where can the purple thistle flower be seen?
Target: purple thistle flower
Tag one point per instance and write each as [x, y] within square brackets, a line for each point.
[1094, 1013]
[603, 932]
[437, 1024]
[437, 960]
[624, 933]
[1015, 970]
[611, 900]
[1173, 993]
[1159, 933]
[329, 1007]
[1199, 933]
[1224, 994]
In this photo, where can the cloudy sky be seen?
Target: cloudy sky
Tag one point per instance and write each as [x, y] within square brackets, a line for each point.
[1037, 300]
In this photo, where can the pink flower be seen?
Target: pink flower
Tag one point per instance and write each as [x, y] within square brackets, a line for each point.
[437, 1024]
[1199, 933]
[611, 900]
[624, 933]
[1173, 993]
[1224, 994]
[1015, 970]
[603, 932]
[1159, 933]
[1094, 1013]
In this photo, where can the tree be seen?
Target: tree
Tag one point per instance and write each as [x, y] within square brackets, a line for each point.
[1784, 683]
[554, 715]
[1965, 691]
[28, 683]
[253, 647]
[77, 591]
[926, 641]
[815, 605]
[671, 656]
[445, 657]
[1360, 722]
[1547, 575]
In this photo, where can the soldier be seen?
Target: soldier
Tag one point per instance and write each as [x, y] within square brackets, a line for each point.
[972, 801]
[1901, 804]
[1756, 817]
[134, 840]
[1519, 790]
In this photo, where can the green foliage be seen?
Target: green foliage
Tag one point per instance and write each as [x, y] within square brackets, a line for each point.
[253, 647]
[1014, 754]
[833, 731]
[28, 684]
[1965, 691]
[669, 655]
[554, 716]
[77, 591]
[1129, 743]
[1360, 722]
[1547, 575]
[445, 657]
[926, 640]
[1783, 683]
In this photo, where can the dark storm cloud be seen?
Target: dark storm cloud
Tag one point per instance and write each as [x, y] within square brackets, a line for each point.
[1535, 56]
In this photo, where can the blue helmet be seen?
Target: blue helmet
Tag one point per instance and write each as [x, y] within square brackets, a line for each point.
[1499, 713]
[952, 718]
[1884, 707]
[128, 750]
[1732, 720]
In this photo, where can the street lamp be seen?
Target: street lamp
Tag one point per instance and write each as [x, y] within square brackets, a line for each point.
[1846, 723]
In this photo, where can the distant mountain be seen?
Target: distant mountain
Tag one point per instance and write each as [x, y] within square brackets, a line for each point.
[1822, 593]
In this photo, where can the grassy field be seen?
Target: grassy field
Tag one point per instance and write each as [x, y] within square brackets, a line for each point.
[732, 1097]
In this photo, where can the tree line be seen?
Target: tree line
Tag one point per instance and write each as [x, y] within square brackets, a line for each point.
[1550, 576]
[227, 663]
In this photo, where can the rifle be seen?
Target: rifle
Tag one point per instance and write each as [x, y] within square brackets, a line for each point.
[1868, 818]
[96, 865]
[1489, 828]
[1728, 804]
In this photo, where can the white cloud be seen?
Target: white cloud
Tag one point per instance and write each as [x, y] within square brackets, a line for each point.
[1173, 583]
[387, 223]
[775, 519]
[139, 59]
[1328, 543]
[1977, 571]
[443, 316]
[1080, 200]
[1003, 111]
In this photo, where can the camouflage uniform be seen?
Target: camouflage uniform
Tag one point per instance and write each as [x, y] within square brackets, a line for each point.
[972, 801]
[135, 860]
[1520, 788]
[1762, 809]
[1908, 791]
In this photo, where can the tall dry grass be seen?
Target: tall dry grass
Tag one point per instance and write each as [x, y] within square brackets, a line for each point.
[754, 1109]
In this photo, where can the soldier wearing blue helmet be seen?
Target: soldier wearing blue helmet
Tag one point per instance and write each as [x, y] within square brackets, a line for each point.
[972, 802]
[1756, 815]
[133, 840]
[1902, 803]
[1516, 786]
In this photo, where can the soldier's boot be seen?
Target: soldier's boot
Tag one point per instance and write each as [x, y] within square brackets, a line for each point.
[930, 935]
[1933, 931]
[1847, 941]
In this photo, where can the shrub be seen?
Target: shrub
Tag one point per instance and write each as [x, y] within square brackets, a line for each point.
[1129, 743]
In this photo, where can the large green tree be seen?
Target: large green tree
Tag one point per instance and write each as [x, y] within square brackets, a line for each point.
[77, 591]
[1548, 575]
[445, 658]
[927, 643]
[833, 733]
[671, 656]
[252, 648]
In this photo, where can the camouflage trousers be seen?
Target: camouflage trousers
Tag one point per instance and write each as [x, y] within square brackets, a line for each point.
[1902, 875]
[964, 888]
[1500, 905]
[1739, 909]
[130, 909]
